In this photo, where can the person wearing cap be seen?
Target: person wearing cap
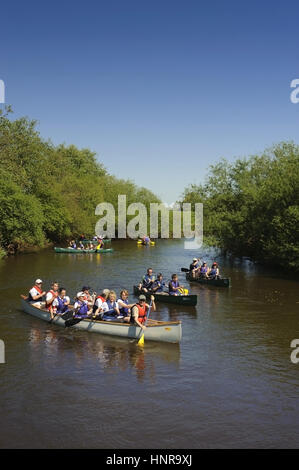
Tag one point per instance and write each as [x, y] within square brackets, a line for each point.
[214, 271]
[194, 267]
[81, 309]
[36, 293]
[139, 311]
[50, 296]
[98, 303]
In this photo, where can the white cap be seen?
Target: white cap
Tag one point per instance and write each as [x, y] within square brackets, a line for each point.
[80, 294]
[194, 259]
[38, 281]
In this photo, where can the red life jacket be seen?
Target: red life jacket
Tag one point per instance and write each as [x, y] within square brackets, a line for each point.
[142, 311]
[102, 298]
[54, 295]
[94, 305]
[30, 298]
[38, 289]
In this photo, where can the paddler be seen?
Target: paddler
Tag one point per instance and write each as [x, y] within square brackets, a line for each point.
[123, 305]
[194, 267]
[50, 296]
[174, 285]
[61, 302]
[81, 309]
[147, 281]
[139, 311]
[98, 304]
[158, 285]
[36, 293]
[110, 307]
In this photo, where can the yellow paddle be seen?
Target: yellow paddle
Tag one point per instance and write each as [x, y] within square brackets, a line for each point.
[141, 340]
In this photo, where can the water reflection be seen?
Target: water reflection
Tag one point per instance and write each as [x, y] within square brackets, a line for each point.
[110, 354]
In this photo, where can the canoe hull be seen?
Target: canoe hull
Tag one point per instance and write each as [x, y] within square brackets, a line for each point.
[225, 282]
[74, 251]
[169, 332]
[170, 299]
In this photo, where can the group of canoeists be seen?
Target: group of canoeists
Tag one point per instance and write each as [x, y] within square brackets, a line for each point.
[105, 306]
[201, 270]
[97, 243]
[151, 283]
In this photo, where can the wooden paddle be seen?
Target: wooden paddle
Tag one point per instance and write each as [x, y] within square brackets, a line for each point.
[185, 270]
[141, 339]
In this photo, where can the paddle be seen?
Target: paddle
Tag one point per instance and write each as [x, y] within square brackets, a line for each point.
[185, 270]
[141, 339]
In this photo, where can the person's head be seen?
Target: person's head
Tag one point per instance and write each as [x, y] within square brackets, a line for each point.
[86, 289]
[105, 293]
[38, 282]
[214, 265]
[150, 271]
[142, 299]
[55, 286]
[112, 296]
[174, 277]
[80, 296]
[124, 294]
[195, 260]
[160, 277]
[62, 292]
[204, 264]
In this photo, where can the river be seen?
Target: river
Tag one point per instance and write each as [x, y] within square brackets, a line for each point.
[229, 384]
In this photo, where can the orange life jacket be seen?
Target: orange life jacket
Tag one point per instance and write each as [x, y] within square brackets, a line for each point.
[142, 311]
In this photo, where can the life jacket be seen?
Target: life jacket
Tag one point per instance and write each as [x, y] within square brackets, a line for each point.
[142, 311]
[213, 272]
[148, 280]
[173, 284]
[159, 284]
[83, 309]
[30, 299]
[49, 305]
[62, 308]
[94, 308]
[203, 269]
[124, 310]
[111, 305]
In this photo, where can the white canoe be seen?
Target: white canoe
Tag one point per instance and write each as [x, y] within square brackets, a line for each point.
[168, 331]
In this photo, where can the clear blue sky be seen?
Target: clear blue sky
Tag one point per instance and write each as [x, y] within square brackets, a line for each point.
[160, 89]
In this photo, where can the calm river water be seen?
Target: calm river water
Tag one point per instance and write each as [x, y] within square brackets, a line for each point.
[230, 383]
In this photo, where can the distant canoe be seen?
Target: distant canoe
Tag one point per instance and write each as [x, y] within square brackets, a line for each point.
[141, 243]
[169, 299]
[74, 251]
[166, 331]
[222, 282]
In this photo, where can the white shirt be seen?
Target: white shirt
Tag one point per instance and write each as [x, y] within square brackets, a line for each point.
[99, 303]
[34, 292]
[55, 301]
[49, 297]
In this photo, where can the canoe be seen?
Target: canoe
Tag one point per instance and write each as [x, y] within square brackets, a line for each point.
[72, 250]
[222, 282]
[169, 299]
[140, 243]
[166, 331]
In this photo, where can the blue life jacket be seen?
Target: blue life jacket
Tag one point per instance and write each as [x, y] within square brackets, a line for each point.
[148, 280]
[213, 272]
[171, 285]
[203, 269]
[61, 308]
[159, 284]
[124, 310]
[83, 309]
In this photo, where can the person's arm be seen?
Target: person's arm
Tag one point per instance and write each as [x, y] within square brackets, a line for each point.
[153, 303]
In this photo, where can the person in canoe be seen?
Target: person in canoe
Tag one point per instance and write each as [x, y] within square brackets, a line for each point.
[88, 297]
[100, 244]
[158, 285]
[194, 267]
[36, 293]
[50, 296]
[204, 271]
[81, 309]
[174, 285]
[214, 271]
[81, 246]
[61, 302]
[147, 281]
[123, 305]
[98, 304]
[73, 244]
[139, 311]
[110, 308]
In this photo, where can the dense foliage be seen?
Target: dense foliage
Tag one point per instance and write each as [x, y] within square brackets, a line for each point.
[49, 193]
[251, 207]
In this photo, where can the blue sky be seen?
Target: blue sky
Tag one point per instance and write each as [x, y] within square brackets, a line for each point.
[160, 90]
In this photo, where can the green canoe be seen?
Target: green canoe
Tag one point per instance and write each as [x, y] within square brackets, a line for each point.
[222, 282]
[170, 299]
[72, 250]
